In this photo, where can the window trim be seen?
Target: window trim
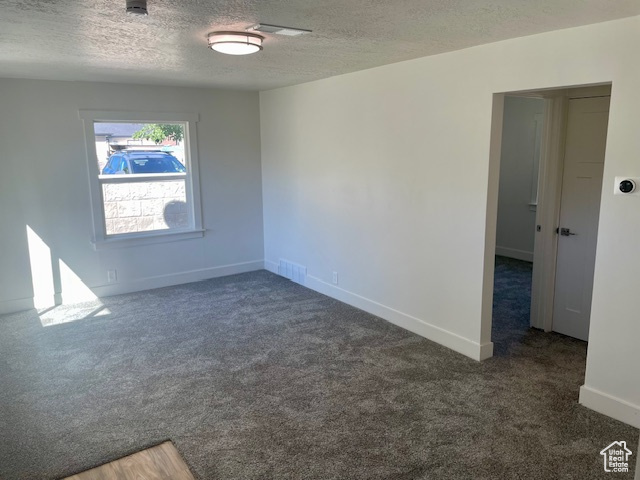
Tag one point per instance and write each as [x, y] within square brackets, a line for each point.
[99, 238]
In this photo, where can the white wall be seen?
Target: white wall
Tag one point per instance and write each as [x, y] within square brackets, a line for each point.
[516, 217]
[44, 185]
[383, 176]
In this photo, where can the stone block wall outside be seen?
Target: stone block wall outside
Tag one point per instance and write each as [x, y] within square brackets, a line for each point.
[145, 206]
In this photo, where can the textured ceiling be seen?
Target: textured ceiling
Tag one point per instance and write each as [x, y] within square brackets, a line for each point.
[95, 40]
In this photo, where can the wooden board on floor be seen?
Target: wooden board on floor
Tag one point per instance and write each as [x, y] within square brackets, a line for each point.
[162, 462]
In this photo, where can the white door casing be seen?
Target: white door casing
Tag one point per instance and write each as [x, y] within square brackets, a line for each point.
[579, 211]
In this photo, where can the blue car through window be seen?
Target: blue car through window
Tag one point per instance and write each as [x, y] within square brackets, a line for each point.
[143, 163]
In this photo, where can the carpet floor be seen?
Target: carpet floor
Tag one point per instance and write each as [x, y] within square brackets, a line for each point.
[255, 377]
[511, 305]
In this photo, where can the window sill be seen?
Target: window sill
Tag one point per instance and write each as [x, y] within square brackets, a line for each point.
[135, 240]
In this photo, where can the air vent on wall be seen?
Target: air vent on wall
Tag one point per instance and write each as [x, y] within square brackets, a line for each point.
[288, 31]
[292, 271]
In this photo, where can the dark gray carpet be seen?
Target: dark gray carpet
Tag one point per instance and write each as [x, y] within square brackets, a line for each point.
[511, 304]
[255, 377]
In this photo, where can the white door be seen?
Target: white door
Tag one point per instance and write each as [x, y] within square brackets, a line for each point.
[579, 210]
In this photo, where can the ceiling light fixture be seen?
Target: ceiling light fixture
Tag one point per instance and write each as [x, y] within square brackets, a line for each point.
[137, 7]
[235, 43]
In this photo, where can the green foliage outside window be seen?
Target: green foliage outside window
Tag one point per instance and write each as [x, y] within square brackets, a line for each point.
[159, 132]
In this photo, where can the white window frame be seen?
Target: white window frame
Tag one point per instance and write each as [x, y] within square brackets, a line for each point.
[100, 240]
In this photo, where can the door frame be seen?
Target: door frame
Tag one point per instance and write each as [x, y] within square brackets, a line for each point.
[545, 250]
[551, 169]
[550, 178]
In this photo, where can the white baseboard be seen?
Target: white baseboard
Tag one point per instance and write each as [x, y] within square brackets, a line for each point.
[439, 335]
[486, 350]
[17, 305]
[514, 253]
[271, 266]
[148, 283]
[168, 280]
[609, 405]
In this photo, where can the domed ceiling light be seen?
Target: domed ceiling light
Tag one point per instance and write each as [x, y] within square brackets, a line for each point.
[137, 7]
[235, 43]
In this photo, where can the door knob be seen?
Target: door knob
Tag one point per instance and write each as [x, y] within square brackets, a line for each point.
[565, 232]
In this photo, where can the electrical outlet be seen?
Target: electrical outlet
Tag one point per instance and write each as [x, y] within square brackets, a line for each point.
[112, 276]
[334, 278]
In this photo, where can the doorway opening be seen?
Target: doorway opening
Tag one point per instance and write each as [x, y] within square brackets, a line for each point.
[547, 159]
[522, 126]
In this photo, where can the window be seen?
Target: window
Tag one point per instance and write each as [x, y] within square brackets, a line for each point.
[143, 176]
